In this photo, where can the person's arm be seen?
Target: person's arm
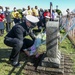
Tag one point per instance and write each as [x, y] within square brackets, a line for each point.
[26, 52]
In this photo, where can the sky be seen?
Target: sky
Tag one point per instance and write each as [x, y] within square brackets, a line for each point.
[45, 4]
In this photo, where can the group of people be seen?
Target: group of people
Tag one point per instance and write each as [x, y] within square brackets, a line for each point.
[5, 20]
[15, 17]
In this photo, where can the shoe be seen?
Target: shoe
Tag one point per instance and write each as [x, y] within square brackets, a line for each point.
[16, 64]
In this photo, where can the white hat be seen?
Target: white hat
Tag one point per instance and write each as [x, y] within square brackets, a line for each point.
[32, 19]
[47, 17]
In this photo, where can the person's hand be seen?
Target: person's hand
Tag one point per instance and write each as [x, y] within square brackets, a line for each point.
[4, 20]
[26, 52]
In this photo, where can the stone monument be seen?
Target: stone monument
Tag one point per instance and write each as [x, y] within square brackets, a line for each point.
[53, 55]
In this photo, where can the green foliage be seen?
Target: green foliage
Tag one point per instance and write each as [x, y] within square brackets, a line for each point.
[19, 10]
[58, 11]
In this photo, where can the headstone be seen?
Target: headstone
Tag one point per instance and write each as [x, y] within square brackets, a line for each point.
[53, 55]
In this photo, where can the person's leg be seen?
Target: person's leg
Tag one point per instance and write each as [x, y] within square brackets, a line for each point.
[6, 27]
[17, 45]
[27, 43]
[0, 32]
[1, 28]
[9, 26]
[16, 50]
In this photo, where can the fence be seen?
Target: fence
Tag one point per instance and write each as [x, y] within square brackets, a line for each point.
[69, 25]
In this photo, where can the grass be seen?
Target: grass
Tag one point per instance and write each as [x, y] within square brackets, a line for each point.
[2, 45]
[66, 45]
[6, 69]
[68, 48]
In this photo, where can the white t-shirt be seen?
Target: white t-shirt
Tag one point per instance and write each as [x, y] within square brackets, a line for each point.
[55, 15]
[25, 12]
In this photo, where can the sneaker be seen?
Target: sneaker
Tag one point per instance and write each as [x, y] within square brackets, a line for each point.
[16, 64]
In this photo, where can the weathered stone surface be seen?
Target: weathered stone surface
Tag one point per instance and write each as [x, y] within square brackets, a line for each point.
[52, 39]
[53, 54]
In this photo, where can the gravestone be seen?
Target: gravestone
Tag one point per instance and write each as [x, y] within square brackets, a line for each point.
[53, 55]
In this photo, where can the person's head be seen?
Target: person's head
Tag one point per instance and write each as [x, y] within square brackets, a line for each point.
[67, 10]
[32, 9]
[7, 8]
[36, 7]
[41, 9]
[31, 21]
[15, 9]
[45, 10]
[28, 7]
[53, 11]
[23, 9]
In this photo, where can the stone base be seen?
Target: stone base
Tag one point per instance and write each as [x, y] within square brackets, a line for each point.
[48, 70]
[52, 62]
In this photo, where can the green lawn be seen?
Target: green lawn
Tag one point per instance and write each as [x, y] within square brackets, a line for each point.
[6, 69]
[66, 45]
[68, 48]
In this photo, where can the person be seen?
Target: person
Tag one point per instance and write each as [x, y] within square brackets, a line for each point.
[41, 13]
[36, 11]
[16, 38]
[68, 13]
[17, 18]
[16, 15]
[8, 19]
[46, 13]
[2, 17]
[29, 11]
[52, 15]
[24, 13]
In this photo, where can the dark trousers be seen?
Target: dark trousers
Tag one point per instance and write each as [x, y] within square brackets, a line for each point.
[1, 28]
[1, 32]
[17, 46]
[8, 27]
[16, 20]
